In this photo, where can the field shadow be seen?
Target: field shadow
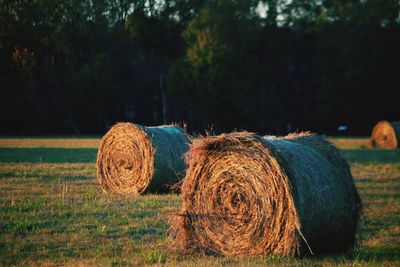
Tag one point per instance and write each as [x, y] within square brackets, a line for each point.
[379, 254]
[371, 155]
[47, 177]
[394, 196]
[48, 155]
[377, 181]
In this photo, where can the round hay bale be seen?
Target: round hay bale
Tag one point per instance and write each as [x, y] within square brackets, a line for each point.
[244, 194]
[134, 158]
[385, 135]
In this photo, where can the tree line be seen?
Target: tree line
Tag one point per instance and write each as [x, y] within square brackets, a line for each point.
[270, 66]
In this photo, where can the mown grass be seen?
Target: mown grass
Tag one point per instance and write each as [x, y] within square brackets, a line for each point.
[53, 212]
[48, 142]
[349, 143]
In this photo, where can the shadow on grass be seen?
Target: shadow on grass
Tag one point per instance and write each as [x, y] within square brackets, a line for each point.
[371, 156]
[378, 254]
[48, 155]
[377, 181]
[48, 178]
[385, 196]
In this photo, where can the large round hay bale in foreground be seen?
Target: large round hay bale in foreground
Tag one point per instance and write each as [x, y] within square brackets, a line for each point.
[244, 194]
[134, 158]
[385, 135]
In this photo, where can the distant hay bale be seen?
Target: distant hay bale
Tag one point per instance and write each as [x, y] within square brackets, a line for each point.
[244, 194]
[134, 158]
[385, 135]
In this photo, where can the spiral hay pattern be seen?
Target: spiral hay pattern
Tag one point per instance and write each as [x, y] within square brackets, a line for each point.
[385, 135]
[132, 158]
[244, 194]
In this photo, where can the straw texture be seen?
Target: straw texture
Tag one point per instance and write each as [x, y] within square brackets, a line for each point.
[133, 159]
[244, 194]
[385, 135]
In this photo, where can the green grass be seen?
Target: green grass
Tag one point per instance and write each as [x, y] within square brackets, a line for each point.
[49, 155]
[53, 212]
[372, 156]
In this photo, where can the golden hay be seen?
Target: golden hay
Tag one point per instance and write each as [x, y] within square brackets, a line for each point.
[385, 135]
[134, 158]
[244, 194]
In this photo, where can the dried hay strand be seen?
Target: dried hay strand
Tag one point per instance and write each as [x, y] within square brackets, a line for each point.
[244, 194]
[134, 159]
[385, 135]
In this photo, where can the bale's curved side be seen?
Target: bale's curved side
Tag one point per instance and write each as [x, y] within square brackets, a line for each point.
[385, 135]
[134, 158]
[170, 144]
[243, 194]
[325, 196]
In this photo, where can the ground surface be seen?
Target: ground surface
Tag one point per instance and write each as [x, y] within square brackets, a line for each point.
[53, 212]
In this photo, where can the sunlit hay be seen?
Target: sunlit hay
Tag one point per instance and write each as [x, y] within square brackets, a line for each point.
[244, 194]
[385, 135]
[134, 158]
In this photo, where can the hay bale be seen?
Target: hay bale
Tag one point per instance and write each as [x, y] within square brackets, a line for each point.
[134, 158]
[244, 194]
[385, 135]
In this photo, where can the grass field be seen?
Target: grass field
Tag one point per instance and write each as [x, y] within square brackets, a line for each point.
[53, 211]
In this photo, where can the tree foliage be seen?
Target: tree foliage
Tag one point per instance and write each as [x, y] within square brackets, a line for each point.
[73, 66]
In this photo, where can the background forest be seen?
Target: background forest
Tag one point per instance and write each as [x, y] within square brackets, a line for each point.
[77, 67]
